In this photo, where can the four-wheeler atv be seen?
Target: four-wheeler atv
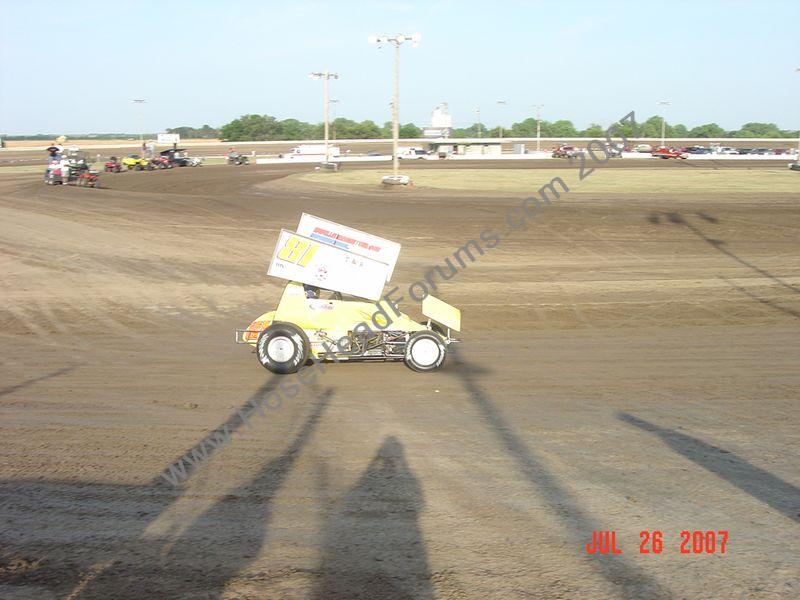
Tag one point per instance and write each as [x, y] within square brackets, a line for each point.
[79, 174]
[180, 158]
[112, 165]
[161, 162]
[238, 159]
[134, 162]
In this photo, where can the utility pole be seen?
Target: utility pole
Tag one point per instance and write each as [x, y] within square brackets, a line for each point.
[663, 122]
[538, 108]
[478, 113]
[326, 76]
[501, 103]
[140, 102]
[334, 102]
[797, 70]
[397, 40]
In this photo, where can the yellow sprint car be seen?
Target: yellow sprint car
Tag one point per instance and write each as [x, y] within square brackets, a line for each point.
[334, 308]
[308, 327]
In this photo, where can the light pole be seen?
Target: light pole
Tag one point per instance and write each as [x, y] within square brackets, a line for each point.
[501, 103]
[397, 40]
[538, 108]
[663, 122]
[334, 102]
[326, 77]
[140, 102]
[797, 70]
[478, 114]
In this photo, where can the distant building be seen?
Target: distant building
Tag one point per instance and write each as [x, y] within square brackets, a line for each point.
[467, 148]
[441, 123]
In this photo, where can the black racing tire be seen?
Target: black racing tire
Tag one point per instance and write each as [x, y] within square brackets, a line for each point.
[282, 348]
[425, 352]
[137, 167]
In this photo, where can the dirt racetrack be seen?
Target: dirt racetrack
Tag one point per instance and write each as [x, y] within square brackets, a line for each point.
[629, 363]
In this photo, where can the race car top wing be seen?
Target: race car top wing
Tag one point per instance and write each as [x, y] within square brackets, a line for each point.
[347, 238]
[305, 260]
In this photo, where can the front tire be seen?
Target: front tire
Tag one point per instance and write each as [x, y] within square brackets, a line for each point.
[425, 352]
[282, 348]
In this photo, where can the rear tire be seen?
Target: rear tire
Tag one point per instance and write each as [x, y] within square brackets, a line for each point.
[425, 352]
[282, 348]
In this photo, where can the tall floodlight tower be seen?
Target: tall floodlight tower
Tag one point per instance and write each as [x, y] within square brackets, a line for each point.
[664, 104]
[501, 103]
[140, 102]
[333, 102]
[326, 77]
[538, 108]
[397, 40]
[797, 70]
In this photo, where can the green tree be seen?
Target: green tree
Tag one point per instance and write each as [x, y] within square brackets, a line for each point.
[594, 131]
[758, 130]
[292, 129]
[709, 130]
[526, 128]
[562, 128]
[409, 130]
[679, 131]
[204, 132]
[252, 127]
[471, 131]
[651, 128]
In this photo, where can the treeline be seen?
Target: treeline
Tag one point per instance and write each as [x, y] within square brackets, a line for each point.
[266, 127]
[191, 133]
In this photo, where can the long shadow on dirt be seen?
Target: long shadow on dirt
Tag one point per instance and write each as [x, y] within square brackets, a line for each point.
[678, 219]
[373, 546]
[234, 527]
[34, 380]
[117, 559]
[758, 483]
[718, 245]
[630, 581]
[182, 468]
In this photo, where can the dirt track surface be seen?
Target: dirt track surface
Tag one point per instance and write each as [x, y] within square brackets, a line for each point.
[629, 363]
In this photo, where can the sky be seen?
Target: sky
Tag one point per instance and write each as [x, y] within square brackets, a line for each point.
[76, 68]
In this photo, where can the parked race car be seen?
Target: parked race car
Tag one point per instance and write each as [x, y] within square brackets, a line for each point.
[344, 326]
[669, 153]
[565, 152]
[134, 162]
[112, 165]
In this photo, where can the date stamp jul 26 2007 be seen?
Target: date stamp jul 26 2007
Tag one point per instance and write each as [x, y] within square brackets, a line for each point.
[652, 542]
